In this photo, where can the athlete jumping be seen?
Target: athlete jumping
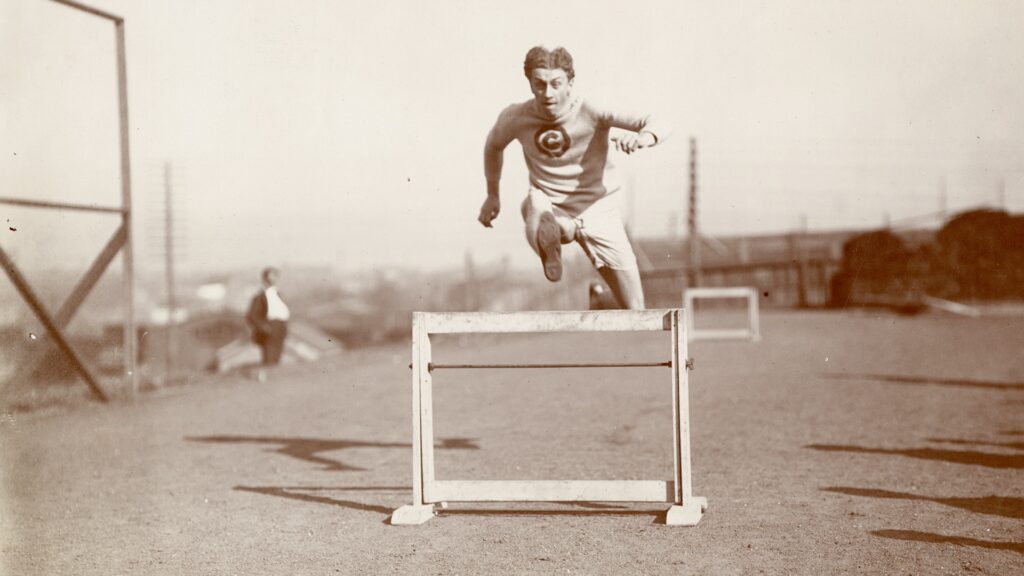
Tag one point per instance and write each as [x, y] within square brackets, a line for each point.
[573, 190]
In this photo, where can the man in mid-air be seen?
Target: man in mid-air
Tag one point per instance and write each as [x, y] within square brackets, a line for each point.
[573, 191]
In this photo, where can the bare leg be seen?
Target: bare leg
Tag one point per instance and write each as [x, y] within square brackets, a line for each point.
[626, 287]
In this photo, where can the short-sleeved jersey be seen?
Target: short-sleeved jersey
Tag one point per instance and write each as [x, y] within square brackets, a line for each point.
[567, 157]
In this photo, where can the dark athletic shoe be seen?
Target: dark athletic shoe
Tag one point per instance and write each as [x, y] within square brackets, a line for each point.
[549, 241]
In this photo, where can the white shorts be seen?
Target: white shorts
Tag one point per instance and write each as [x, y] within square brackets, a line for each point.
[599, 231]
[603, 237]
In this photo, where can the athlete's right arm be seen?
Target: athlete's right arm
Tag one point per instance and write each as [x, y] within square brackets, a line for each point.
[492, 204]
[494, 156]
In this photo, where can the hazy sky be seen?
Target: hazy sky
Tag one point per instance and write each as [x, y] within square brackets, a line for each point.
[349, 133]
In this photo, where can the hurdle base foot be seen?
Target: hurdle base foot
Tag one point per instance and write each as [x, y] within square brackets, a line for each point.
[688, 514]
[412, 515]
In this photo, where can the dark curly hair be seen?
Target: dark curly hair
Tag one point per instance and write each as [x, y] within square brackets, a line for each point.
[541, 57]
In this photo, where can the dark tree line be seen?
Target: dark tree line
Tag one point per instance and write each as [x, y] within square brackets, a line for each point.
[977, 255]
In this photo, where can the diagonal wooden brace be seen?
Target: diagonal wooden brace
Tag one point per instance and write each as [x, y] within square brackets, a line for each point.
[55, 332]
[77, 296]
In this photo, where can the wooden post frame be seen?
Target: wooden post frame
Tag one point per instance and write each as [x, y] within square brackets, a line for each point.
[685, 509]
[122, 240]
[74, 300]
[753, 330]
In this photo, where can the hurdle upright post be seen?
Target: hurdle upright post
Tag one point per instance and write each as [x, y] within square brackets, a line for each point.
[422, 428]
[686, 510]
[426, 385]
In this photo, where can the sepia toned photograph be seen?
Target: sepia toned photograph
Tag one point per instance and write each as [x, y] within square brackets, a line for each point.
[522, 287]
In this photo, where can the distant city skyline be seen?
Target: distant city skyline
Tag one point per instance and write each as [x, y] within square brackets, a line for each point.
[350, 135]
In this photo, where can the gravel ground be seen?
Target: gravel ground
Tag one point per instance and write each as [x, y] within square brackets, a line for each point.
[843, 443]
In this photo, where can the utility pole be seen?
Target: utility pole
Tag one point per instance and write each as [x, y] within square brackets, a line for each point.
[798, 248]
[694, 234]
[942, 197]
[470, 288]
[172, 301]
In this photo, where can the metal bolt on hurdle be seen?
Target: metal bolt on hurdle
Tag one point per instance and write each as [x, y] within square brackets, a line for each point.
[685, 509]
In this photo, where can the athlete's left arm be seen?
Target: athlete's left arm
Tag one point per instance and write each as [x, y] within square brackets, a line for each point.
[643, 130]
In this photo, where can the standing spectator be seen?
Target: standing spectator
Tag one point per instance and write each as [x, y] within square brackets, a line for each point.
[268, 317]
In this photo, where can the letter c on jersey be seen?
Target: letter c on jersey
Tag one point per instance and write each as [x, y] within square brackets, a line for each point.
[552, 140]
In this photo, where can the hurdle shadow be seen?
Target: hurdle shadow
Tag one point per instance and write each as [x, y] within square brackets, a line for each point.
[303, 494]
[1005, 506]
[927, 381]
[309, 449]
[915, 536]
[300, 493]
[989, 460]
[1008, 445]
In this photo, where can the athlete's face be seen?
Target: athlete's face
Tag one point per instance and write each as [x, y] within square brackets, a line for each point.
[551, 89]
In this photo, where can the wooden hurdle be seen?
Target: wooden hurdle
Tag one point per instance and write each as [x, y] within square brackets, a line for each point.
[753, 330]
[685, 510]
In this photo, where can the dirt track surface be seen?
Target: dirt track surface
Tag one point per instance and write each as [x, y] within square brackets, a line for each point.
[841, 444]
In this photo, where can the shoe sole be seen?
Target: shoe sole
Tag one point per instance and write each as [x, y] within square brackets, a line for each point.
[549, 241]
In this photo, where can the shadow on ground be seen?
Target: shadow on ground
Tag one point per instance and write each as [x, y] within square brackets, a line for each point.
[1009, 445]
[299, 493]
[926, 381]
[1008, 507]
[914, 536]
[307, 449]
[955, 456]
[306, 494]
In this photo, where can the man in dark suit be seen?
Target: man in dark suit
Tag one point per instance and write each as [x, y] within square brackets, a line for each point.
[268, 317]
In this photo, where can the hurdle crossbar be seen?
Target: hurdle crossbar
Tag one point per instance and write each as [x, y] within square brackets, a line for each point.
[432, 366]
[685, 509]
